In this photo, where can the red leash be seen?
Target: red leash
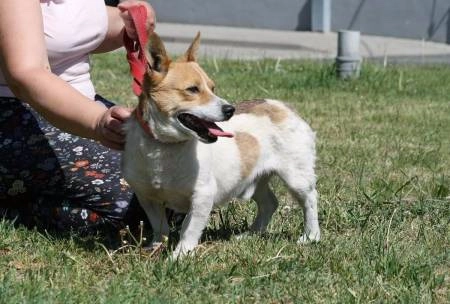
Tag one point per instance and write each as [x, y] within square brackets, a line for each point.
[135, 49]
[136, 57]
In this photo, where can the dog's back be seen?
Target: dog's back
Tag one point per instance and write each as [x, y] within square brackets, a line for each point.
[270, 138]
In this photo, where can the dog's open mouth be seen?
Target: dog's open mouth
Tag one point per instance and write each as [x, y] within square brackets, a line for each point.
[208, 131]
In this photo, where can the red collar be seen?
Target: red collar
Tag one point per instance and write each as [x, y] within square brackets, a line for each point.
[137, 60]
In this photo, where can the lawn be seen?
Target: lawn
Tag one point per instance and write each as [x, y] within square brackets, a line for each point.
[383, 168]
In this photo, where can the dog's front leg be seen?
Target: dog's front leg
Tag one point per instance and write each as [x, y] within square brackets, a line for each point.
[193, 224]
[157, 217]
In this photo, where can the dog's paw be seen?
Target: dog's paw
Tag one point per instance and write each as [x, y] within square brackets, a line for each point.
[153, 246]
[178, 254]
[155, 249]
[309, 238]
[181, 251]
[242, 236]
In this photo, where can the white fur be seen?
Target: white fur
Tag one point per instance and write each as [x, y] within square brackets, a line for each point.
[187, 175]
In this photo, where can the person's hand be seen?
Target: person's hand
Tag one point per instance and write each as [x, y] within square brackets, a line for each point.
[129, 26]
[109, 127]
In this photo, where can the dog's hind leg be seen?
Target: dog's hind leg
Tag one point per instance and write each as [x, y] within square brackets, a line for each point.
[267, 204]
[303, 188]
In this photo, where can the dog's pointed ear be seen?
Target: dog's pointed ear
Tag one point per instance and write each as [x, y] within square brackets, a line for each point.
[191, 53]
[158, 59]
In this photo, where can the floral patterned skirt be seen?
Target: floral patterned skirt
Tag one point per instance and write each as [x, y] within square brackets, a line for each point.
[55, 180]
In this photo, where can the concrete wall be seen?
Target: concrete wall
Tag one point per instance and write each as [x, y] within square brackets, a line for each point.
[417, 19]
[273, 14]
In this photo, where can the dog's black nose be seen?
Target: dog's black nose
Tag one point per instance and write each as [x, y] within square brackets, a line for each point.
[228, 111]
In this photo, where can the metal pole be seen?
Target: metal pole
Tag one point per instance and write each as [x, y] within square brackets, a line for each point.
[348, 60]
[320, 15]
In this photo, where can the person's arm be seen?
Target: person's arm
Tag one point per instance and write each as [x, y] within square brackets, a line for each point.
[119, 20]
[24, 63]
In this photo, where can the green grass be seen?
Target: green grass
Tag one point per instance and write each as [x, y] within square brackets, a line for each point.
[384, 182]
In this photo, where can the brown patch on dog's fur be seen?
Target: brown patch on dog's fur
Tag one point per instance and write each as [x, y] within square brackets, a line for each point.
[260, 107]
[246, 105]
[249, 151]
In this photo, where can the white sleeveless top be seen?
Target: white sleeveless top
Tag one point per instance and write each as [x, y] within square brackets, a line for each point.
[73, 29]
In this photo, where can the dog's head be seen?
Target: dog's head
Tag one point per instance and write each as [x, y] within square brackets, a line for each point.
[179, 98]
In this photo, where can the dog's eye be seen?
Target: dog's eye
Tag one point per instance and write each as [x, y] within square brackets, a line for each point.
[193, 89]
[213, 88]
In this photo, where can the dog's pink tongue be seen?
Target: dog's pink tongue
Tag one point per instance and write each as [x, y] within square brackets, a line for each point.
[215, 129]
[219, 132]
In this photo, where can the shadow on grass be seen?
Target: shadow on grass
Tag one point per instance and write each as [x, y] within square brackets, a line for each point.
[224, 226]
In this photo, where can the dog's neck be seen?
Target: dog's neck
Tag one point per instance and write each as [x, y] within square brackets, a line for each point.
[157, 126]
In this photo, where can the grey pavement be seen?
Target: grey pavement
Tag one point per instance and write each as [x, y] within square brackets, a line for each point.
[245, 43]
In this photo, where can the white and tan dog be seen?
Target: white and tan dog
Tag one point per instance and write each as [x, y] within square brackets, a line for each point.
[182, 165]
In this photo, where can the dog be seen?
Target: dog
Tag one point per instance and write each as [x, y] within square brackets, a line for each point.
[189, 150]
